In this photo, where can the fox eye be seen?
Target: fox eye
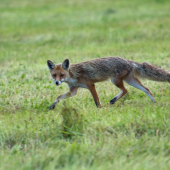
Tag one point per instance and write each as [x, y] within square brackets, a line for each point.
[54, 75]
[61, 75]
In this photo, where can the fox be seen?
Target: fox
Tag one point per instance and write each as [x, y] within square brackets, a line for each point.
[118, 70]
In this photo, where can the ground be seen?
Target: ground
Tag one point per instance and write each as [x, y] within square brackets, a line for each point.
[134, 133]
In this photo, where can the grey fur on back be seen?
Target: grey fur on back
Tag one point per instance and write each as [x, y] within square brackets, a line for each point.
[149, 71]
[101, 69]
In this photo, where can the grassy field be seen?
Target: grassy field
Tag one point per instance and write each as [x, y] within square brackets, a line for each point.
[133, 134]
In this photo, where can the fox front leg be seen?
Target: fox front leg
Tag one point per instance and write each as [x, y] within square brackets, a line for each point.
[92, 89]
[72, 92]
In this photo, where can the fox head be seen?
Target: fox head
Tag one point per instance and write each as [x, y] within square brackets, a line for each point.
[59, 72]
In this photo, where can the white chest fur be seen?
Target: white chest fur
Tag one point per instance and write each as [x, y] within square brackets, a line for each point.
[74, 83]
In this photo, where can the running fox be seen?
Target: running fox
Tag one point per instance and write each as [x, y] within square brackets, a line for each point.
[86, 74]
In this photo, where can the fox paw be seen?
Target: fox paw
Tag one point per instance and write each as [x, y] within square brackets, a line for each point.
[51, 107]
[113, 100]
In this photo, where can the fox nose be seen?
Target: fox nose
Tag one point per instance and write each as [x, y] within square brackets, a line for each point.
[57, 83]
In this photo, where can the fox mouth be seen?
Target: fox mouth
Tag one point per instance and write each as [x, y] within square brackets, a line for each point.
[57, 83]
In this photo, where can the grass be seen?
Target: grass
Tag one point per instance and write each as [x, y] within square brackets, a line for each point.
[132, 134]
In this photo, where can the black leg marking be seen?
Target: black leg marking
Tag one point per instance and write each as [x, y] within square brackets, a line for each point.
[52, 107]
[97, 105]
[113, 100]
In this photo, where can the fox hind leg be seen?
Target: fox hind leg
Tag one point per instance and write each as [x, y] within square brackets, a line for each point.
[120, 85]
[133, 81]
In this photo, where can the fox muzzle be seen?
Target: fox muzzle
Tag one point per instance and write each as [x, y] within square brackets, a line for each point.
[58, 83]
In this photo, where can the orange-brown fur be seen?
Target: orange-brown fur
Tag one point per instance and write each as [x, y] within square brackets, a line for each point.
[86, 74]
[58, 71]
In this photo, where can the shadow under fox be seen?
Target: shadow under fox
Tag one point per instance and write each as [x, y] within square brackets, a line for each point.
[86, 74]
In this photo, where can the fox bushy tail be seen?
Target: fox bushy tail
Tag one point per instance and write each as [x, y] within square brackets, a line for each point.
[149, 71]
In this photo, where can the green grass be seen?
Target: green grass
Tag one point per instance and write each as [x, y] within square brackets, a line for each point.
[132, 134]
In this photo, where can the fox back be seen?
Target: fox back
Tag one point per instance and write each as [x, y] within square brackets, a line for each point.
[100, 69]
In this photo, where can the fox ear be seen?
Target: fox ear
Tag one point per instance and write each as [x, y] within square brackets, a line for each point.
[66, 64]
[50, 65]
